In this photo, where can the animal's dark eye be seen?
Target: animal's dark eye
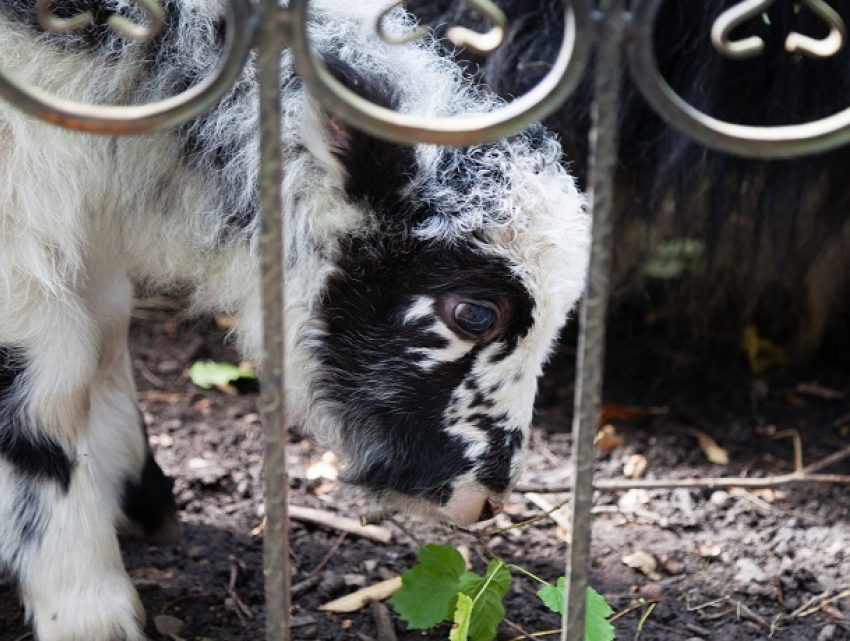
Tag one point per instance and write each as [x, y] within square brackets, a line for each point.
[475, 318]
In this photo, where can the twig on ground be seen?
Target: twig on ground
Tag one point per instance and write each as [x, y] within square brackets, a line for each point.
[339, 539]
[743, 609]
[553, 511]
[406, 531]
[306, 584]
[533, 519]
[538, 635]
[632, 608]
[742, 493]
[698, 629]
[616, 509]
[706, 605]
[524, 634]
[341, 523]
[807, 474]
[816, 603]
[242, 610]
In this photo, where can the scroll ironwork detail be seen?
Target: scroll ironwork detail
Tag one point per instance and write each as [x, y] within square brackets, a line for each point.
[119, 24]
[794, 43]
[784, 141]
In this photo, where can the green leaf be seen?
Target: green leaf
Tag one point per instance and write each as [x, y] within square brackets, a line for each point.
[487, 593]
[596, 613]
[596, 610]
[463, 613]
[208, 374]
[553, 595]
[429, 587]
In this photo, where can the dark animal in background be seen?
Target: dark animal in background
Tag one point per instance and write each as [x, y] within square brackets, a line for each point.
[425, 286]
[714, 240]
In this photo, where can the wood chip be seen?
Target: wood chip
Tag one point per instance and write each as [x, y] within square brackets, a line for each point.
[340, 523]
[363, 597]
[643, 562]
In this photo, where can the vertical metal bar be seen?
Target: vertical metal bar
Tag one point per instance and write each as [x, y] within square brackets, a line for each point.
[591, 348]
[276, 536]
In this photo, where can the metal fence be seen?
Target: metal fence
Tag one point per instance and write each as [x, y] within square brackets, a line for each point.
[606, 26]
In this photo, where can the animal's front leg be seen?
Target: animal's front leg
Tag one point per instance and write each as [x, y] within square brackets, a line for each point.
[68, 563]
[69, 442]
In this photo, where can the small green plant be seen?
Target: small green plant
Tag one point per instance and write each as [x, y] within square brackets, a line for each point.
[440, 588]
[209, 374]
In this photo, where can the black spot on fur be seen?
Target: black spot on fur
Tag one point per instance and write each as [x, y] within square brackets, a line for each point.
[148, 500]
[378, 172]
[33, 455]
[369, 356]
[495, 470]
[481, 401]
[28, 516]
[27, 524]
[216, 155]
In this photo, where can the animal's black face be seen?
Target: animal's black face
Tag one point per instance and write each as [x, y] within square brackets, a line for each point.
[446, 275]
[415, 335]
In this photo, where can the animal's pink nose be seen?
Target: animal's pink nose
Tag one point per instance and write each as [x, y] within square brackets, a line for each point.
[490, 509]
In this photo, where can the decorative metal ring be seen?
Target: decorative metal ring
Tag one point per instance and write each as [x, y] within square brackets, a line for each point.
[794, 43]
[482, 43]
[755, 142]
[536, 104]
[127, 28]
[156, 116]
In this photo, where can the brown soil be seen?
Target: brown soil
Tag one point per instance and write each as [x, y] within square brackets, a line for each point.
[731, 565]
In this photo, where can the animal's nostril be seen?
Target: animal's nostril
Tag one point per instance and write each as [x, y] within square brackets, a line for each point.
[490, 509]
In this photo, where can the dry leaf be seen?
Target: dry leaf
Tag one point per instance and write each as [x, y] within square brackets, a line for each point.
[713, 452]
[635, 466]
[169, 626]
[614, 412]
[814, 388]
[607, 438]
[361, 598]
[643, 562]
[762, 354]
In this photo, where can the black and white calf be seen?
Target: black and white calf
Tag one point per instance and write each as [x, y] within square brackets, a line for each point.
[424, 286]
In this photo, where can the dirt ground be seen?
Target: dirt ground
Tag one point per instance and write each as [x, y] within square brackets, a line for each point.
[730, 564]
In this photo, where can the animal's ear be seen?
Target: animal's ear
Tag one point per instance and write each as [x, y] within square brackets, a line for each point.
[371, 168]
